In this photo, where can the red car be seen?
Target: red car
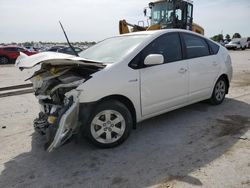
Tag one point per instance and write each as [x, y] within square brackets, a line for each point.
[8, 54]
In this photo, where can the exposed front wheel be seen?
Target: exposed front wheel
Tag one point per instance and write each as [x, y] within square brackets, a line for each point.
[219, 91]
[109, 125]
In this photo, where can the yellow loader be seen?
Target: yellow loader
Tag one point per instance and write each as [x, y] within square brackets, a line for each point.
[165, 14]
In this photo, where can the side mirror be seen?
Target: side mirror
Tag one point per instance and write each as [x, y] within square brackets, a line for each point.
[145, 12]
[154, 59]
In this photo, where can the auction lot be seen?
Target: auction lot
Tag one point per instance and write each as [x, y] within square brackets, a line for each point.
[196, 146]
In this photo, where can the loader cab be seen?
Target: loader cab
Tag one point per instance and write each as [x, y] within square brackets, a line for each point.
[172, 14]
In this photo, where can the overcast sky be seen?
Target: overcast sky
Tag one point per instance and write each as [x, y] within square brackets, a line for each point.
[93, 20]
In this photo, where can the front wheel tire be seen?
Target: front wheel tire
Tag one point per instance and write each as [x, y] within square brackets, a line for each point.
[219, 92]
[4, 60]
[109, 125]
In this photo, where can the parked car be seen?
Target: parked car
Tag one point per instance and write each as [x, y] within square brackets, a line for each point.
[8, 54]
[68, 50]
[55, 48]
[237, 43]
[124, 80]
[31, 48]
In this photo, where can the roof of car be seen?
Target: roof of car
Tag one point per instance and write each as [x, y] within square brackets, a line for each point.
[10, 46]
[158, 32]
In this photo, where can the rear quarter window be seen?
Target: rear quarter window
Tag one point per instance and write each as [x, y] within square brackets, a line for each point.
[214, 48]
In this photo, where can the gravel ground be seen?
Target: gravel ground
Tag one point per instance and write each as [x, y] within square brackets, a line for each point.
[199, 145]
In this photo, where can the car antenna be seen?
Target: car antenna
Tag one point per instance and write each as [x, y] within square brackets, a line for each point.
[72, 48]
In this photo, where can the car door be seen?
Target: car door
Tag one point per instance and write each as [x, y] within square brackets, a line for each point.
[203, 67]
[12, 52]
[166, 85]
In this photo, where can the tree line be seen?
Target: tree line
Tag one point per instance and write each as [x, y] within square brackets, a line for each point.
[220, 37]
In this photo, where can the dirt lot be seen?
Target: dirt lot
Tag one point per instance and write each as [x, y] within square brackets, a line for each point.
[196, 146]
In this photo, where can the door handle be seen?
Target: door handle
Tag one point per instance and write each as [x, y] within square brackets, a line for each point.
[182, 70]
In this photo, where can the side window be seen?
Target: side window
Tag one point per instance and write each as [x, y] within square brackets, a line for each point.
[195, 46]
[11, 49]
[214, 47]
[69, 50]
[178, 14]
[20, 49]
[168, 45]
[78, 50]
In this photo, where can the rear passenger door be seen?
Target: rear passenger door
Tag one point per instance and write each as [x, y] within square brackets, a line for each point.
[202, 65]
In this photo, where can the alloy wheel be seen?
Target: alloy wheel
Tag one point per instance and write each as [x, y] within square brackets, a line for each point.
[108, 126]
[220, 90]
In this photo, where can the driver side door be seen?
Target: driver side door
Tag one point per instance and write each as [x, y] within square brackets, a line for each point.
[164, 86]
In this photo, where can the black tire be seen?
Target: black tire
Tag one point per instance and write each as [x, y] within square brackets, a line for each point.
[4, 60]
[219, 92]
[117, 112]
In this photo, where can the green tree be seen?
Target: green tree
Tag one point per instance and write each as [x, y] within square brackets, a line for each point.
[228, 37]
[218, 38]
[236, 35]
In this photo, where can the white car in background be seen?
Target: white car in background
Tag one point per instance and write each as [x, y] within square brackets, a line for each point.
[124, 80]
[237, 43]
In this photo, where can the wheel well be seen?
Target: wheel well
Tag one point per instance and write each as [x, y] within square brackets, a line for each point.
[227, 81]
[5, 57]
[126, 101]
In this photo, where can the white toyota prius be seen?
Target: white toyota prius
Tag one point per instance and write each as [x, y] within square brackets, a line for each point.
[123, 80]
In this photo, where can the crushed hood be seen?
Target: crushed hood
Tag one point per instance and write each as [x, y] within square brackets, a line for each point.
[53, 58]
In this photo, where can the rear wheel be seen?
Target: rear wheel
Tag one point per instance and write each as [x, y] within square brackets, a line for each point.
[4, 60]
[219, 92]
[109, 125]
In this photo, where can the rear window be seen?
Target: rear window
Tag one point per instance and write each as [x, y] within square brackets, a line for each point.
[214, 48]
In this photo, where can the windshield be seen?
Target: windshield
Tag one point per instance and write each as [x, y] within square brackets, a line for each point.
[113, 50]
[162, 13]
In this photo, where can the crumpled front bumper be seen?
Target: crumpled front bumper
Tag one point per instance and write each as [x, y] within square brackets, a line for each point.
[58, 129]
[67, 123]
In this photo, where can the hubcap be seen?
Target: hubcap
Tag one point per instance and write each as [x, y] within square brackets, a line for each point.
[220, 90]
[108, 126]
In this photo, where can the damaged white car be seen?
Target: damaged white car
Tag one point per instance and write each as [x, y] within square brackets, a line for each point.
[123, 80]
